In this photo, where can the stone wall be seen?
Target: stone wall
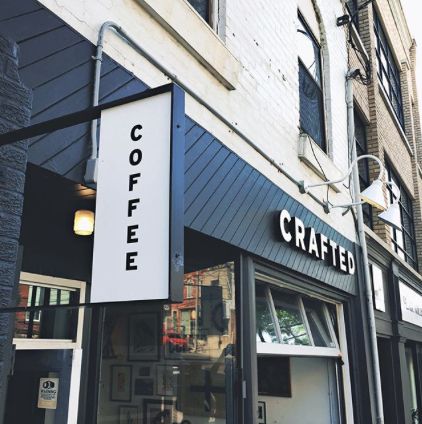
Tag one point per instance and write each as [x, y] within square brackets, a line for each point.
[15, 112]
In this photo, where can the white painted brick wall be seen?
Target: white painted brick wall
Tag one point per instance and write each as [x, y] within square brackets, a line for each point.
[261, 34]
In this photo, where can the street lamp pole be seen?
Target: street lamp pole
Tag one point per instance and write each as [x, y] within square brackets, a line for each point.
[362, 239]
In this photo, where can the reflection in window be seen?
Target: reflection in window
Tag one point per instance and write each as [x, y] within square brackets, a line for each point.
[388, 71]
[299, 320]
[50, 323]
[265, 331]
[404, 240]
[202, 7]
[310, 85]
[290, 319]
[177, 363]
[317, 319]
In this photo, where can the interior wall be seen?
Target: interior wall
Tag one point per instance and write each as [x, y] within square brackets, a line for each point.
[314, 396]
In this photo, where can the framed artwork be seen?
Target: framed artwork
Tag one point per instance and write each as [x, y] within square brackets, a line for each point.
[156, 411]
[128, 415]
[144, 386]
[144, 337]
[274, 376]
[144, 371]
[121, 383]
[167, 380]
[262, 413]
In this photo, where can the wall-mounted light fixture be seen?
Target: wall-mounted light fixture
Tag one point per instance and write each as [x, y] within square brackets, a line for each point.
[83, 224]
[373, 195]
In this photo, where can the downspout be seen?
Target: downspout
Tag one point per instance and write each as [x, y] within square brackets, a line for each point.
[376, 376]
[91, 168]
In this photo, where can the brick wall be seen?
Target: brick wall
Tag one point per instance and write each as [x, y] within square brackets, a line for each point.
[15, 112]
[386, 138]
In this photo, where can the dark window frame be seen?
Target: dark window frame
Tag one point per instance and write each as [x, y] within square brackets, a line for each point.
[408, 251]
[388, 71]
[318, 85]
[206, 13]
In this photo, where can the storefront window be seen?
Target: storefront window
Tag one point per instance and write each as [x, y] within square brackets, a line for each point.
[265, 331]
[292, 319]
[49, 323]
[291, 323]
[173, 363]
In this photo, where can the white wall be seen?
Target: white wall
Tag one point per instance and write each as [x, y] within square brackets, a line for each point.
[313, 398]
[261, 36]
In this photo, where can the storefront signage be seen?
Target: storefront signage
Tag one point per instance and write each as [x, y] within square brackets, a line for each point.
[48, 392]
[411, 305]
[138, 237]
[318, 245]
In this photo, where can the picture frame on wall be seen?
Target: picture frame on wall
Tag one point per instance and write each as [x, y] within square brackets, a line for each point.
[167, 380]
[262, 413]
[144, 387]
[128, 415]
[121, 383]
[144, 337]
[159, 411]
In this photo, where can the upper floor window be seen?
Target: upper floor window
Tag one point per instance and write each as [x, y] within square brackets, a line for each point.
[311, 102]
[362, 149]
[403, 241]
[207, 9]
[388, 71]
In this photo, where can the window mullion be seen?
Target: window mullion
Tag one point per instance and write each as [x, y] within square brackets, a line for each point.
[273, 313]
[305, 320]
[330, 326]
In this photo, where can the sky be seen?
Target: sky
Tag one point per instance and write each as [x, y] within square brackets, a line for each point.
[413, 12]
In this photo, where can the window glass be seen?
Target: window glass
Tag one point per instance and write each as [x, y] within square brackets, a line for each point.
[202, 7]
[265, 331]
[317, 320]
[309, 52]
[311, 102]
[403, 240]
[49, 323]
[292, 327]
[173, 363]
[388, 72]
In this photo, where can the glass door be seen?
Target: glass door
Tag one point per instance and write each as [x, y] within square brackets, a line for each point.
[43, 387]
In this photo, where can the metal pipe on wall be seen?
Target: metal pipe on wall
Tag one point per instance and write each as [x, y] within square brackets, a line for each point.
[91, 168]
[376, 376]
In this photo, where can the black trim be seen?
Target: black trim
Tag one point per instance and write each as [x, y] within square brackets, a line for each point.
[79, 117]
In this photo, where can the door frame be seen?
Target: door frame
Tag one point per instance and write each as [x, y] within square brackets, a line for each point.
[60, 344]
[275, 279]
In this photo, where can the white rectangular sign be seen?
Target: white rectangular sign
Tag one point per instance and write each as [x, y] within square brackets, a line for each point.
[48, 393]
[411, 305]
[132, 225]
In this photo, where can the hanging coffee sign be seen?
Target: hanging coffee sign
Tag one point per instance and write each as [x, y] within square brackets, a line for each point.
[138, 238]
[318, 245]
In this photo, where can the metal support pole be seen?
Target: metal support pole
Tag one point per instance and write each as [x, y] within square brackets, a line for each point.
[362, 239]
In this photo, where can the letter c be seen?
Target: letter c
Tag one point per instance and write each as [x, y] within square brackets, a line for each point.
[133, 136]
[285, 219]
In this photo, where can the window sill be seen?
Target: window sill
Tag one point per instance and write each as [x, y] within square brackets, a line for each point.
[180, 20]
[394, 118]
[313, 156]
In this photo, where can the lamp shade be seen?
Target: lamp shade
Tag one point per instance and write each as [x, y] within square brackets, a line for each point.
[392, 216]
[83, 224]
[374, 195]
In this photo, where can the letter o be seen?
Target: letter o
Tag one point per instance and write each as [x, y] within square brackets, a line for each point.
[135, 157]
